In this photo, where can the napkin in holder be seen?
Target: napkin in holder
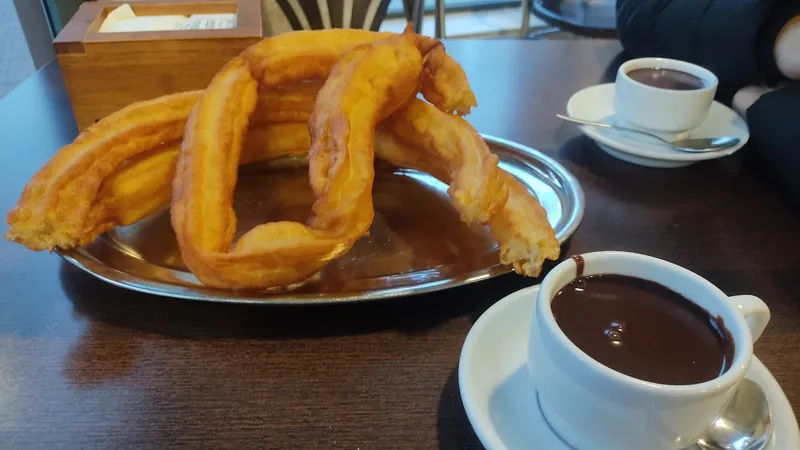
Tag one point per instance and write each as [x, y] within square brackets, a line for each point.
[113, 54]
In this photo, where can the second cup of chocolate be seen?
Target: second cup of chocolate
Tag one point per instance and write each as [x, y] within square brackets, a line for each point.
[628, 351]
[666, 97]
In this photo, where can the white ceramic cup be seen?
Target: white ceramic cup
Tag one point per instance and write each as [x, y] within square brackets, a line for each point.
[668, 113]
[594, 407]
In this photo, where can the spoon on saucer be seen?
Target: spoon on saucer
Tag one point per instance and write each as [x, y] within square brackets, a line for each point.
[691, 145]
[746, 424]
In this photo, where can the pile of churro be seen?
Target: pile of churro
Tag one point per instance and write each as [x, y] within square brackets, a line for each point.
[339, 97]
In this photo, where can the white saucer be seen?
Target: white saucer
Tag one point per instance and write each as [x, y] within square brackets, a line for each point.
[596, 103]
[502, 404]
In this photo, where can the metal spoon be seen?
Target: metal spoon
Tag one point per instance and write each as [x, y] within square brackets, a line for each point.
[692, 145]
[745, 425]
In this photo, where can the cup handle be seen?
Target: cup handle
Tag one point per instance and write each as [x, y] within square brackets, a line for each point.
[755, 313]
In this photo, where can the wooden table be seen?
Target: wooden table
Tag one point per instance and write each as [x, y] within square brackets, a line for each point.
[86, 365]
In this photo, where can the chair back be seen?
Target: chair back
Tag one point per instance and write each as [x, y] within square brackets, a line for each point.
[327, 14]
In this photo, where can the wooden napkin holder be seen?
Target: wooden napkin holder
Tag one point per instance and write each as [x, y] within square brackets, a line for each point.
[105, 72]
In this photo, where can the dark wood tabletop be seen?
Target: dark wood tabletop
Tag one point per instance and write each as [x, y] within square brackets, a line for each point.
[87, 365]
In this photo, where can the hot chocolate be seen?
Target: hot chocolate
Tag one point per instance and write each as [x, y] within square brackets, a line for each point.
[643, 329]
[667, 79]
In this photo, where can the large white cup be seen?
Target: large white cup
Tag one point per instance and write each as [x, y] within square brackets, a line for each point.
[668, 113]
[592, 406]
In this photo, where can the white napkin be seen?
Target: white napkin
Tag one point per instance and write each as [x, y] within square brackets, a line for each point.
[123, 19]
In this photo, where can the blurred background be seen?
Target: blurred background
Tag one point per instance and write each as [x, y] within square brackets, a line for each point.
[27, 27]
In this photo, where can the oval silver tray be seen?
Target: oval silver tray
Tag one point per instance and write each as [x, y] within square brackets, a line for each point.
[416, 244]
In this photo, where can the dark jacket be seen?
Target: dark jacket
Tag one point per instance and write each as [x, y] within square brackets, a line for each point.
[735, 40]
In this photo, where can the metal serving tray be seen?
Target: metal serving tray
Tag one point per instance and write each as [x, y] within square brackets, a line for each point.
[417, 242]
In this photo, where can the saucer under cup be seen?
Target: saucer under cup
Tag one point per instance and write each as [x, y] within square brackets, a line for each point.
[596, 103]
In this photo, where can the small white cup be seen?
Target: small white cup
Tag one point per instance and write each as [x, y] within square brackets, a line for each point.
[668, 113]
[592, 406]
